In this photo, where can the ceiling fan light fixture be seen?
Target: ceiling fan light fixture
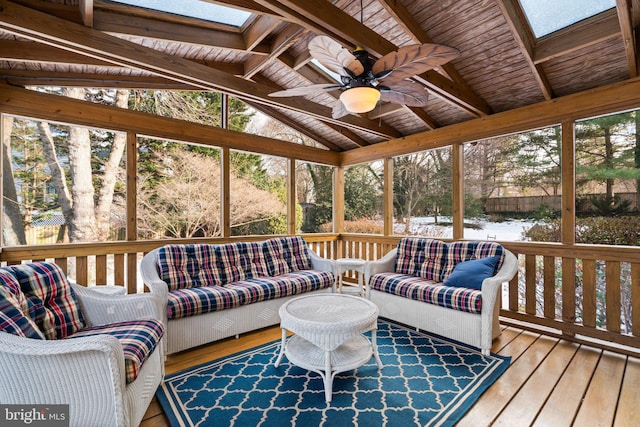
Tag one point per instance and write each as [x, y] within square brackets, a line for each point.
[360, 99]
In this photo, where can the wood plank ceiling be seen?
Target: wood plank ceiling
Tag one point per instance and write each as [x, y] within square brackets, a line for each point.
[502, 65]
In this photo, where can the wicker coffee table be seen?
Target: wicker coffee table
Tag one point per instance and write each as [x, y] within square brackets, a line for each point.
[328, 334]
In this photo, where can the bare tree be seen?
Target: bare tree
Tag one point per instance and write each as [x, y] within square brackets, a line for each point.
[186, 201]
[12, 221]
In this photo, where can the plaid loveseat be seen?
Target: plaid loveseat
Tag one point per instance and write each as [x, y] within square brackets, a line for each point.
[216, 291]
[447, 288]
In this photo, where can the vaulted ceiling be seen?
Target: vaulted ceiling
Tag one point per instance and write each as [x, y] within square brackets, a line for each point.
[502, 65]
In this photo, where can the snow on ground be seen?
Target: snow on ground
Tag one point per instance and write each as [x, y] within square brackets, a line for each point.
[510, 230]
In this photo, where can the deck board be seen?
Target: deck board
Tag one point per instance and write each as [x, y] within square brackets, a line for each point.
[524, 407]
[628, 413]
[562, 404]
[545, 385]
[600, 402]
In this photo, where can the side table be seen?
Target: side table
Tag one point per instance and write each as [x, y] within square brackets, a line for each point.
[342, 265]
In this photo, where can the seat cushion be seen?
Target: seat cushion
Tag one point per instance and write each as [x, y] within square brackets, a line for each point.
[53, 304]
[194, 301]
[139, 339]
[14, 309]
[420, 289]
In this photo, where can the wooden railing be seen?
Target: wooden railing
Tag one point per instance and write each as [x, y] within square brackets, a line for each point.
[586, 293]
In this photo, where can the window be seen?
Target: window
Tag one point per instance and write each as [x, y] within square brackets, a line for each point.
[608, 180]
[178, 190]
[547, 16]
[363, 188]
[423, 194]
[66, 184]
[258, 194]
[513, 187]
[315, 196]
[198, 9]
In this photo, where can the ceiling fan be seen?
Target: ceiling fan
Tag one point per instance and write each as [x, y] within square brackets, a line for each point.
[365, 81]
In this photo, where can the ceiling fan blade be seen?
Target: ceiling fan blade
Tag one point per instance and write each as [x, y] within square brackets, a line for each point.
[305, 90]
[406, 93]
[339, 110]
[333, 56]
[415, 59]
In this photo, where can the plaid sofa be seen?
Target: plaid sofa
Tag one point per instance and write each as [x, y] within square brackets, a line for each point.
[215, 291]
[445, 288]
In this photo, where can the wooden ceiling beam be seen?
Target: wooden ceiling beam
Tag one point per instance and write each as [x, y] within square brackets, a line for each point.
[247, 5]
[68, 79]
[523, 36]
[21, 51]
[589, 103]
[406, 20]
[259, 29]
[114, 23]
[29, 103]
[323, 17]
[623, 8]
[578, 36]
[86, 11]
[48, 29]
[281, 42]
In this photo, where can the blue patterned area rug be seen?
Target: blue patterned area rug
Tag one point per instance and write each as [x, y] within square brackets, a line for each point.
[425, 381]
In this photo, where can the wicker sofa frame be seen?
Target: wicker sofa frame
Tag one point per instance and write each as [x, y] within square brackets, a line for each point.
[191, 331]
[477, 330]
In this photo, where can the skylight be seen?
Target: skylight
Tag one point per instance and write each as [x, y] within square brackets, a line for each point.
[547, 16]
[194, 9]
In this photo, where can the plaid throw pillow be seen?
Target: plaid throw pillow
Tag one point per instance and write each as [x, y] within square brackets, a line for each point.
[14, 309]
[421, 257]
[286, 254]
[52, 303]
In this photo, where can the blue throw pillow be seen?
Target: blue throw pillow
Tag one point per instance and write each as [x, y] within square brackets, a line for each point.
[470, 274]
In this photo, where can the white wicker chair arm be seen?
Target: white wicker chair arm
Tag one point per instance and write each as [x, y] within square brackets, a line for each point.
[85, 372]
[150, 276]
[490, 285]
[385, 264]
[319, 263]
[100, 309]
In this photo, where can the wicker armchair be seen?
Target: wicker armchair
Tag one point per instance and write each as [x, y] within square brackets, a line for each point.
[86, 372]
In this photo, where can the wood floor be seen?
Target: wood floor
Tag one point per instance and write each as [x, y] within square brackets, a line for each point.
[550, 382]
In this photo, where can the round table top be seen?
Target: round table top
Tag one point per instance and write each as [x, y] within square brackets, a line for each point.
[328, 320]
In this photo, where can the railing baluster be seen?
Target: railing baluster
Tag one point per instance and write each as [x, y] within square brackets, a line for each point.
[635, 298]
[82, 270]
[530, 298]
[613, 296]
[549, 292]
[589, 307]
[101, 269]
